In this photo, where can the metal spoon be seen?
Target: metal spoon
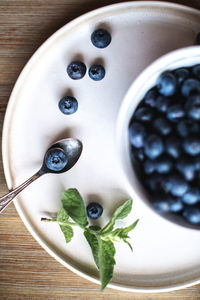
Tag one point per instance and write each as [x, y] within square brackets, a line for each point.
[71, 147]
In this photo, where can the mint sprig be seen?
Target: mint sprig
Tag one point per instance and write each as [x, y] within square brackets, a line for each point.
[101, 240]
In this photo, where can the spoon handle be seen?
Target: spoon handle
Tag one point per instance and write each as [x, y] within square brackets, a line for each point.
[6, 199]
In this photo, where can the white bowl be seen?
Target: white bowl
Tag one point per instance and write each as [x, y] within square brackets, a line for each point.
[183, 57]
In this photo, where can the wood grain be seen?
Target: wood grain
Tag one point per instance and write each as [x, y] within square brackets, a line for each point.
[26, 270]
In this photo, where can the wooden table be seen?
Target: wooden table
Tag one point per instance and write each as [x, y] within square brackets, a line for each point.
[26, 270]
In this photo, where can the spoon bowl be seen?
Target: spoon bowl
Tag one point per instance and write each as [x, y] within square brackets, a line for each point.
[71, 150]
[72, 147]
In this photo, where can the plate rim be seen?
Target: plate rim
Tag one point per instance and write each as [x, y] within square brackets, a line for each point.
[5, 137]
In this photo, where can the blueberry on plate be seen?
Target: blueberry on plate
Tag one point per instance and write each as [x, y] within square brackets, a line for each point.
[192, 196]
[167, 84]
[175, 112]
[153, 146]
[162, 126]
[190, 87]
[150, 97]
[192, 214]
[162, 103]
[68, 105]
[96, 72]
[101, 38]
[56, 159]
[181, 74]
[191, 145]
[76, 70]
[137, 134]
[144, 114]
[94, 210]
[173, 146]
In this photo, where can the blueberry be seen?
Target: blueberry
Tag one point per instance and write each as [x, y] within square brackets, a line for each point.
[160, 202]
[176, 185]
[186, 167]
[137, 134]
[144, 114]
[195, 128]
[97, 72]
[163, 164]
[76, 70]
[164, 203]
[149, 166]
[182, 128]
[192, 196]
[68, 105]
[192, 214]
[101, 38]
[196, 71]
[162, 103]
[153, 146]
[94, 210]
[197, 163]
[190, 87]
[181, 74]
[193, 107]
[150, 97]
[55, 159]
[162, 126]
[175, 112]
[138, 154]
[175, 205]
[191, 145]
[167, 84]
[154, 182]
[173, 146]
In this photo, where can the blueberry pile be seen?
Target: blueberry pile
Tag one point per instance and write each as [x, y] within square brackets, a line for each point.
[164, 135]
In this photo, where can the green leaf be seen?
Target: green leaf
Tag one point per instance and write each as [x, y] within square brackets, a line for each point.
[120, 213]
[93, 242]
[73, 203]
[68, 232]
[121, 234]
[106, 255]
[124, 231]
[62, 217]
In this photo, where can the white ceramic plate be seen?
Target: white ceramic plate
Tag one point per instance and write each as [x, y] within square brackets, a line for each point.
[165, 256]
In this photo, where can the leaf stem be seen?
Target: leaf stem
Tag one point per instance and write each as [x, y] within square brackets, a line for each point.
[60, 223]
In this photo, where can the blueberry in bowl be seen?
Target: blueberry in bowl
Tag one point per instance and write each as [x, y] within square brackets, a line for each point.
[159, 121]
